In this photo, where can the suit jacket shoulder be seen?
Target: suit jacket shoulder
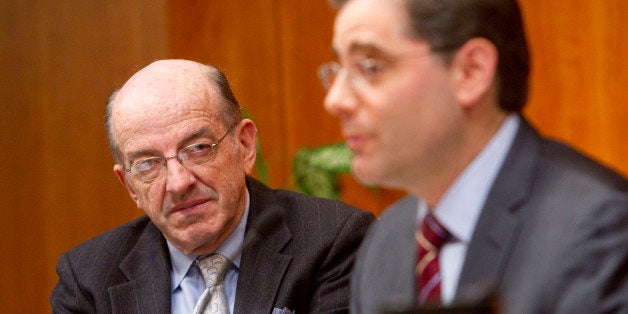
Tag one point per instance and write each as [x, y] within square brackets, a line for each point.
[552, 237]
[551, 218]
[126, 268]
[304, 264]
[383, 274]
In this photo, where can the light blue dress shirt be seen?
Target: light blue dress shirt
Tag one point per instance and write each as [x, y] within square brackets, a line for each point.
[460, 207]
[187, 283]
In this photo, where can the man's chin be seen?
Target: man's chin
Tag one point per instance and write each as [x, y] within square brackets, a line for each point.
[363, 173]
[189, 245]
[187, 237]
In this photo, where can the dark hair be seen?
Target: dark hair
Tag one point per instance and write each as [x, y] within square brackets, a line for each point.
[229, 111]
[446, 25]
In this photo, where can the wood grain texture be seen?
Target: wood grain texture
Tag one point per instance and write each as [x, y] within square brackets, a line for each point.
[580, 73]
[60, 61]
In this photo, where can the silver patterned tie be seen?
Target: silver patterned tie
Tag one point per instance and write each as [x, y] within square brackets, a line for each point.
[213, 300]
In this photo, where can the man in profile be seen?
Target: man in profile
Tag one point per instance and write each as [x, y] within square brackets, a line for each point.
[430, 95]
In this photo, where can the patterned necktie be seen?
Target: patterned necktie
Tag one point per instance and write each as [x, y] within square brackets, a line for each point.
[213, 300]
[430, 238]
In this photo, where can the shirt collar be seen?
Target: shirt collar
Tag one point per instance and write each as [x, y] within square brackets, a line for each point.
[230, 248]
[461, 205]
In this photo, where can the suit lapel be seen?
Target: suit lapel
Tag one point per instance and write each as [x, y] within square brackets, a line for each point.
[498, 227]
[262, 266]
[398, 277]
[260, 278]
[147, 267]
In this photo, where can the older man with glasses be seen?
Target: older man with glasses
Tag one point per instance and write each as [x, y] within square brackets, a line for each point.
[184, 153]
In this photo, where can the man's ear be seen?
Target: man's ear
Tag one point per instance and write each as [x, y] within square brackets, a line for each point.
[474, 68]
[121, 174]
[247, 132]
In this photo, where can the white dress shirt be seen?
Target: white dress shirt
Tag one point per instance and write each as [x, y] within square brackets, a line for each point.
[460, 207]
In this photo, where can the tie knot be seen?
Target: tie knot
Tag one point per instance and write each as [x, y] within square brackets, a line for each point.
[213, 268]
[434, 233]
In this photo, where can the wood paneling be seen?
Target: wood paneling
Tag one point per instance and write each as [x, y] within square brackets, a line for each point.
[580, 75]
[61, 59]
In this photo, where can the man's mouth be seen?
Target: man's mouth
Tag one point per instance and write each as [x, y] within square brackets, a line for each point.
[188, 206]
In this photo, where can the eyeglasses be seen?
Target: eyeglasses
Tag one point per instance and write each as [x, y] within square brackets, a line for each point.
[149, 169]
[361, 70]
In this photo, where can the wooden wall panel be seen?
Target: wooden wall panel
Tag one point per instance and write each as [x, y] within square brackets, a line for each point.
[60, 61]
[306, 29]
[580, 75]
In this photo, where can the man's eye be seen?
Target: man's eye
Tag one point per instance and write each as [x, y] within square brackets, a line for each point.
[147, 164]
[199, 149]
[369, 67]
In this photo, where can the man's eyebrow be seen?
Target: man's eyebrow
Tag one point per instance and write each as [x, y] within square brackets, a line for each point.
[140, 153]
[196, 134]
[146, 152]
[361, 48]
[365, 48]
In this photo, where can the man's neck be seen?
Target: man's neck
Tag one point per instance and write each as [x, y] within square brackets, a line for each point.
[477, 135]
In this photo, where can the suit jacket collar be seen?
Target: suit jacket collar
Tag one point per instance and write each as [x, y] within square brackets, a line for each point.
[498, 227]
[147, 267]
[401, 220]
[263, 266]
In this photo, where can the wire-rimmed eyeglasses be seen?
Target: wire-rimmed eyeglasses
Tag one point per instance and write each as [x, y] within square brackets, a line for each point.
[363, 70]
[150, 168]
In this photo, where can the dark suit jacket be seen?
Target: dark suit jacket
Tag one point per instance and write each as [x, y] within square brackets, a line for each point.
[303, 265]
[552, 238]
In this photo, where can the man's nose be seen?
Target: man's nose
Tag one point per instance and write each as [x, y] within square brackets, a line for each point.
[340, 99]
[179, 178]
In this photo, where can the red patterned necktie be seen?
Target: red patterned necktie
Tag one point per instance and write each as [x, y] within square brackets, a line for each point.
[430, 238]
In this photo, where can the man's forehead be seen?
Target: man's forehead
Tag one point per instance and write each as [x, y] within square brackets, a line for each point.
[167, 76]
[363, 26]
[141, 102]
[170, 68]
[168, 83]
[161, 102]
[139, 124]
